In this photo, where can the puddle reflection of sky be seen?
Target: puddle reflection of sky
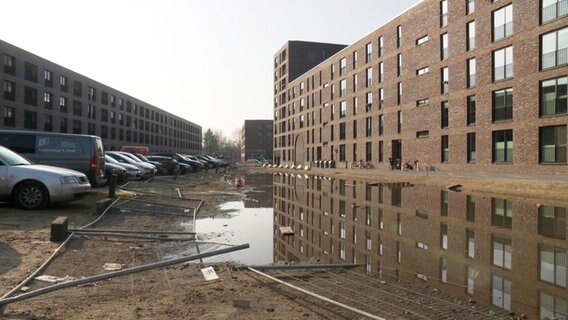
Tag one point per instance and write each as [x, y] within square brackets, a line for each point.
[238, 225]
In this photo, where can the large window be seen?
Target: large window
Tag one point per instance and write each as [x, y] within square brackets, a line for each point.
[553, 265]
[369, 74]
[342, 131]
[342, 88]
[9, 117]
[368, 151]
[470, 35]
[554, 46]
[443, 13]
[9, 65]
[501, 292]
[445, 149]
[552, 307]
[501, 213]
[502, 252]
[471, 71]
[503, 104]
[368, 52]
[30, 120]
[552, 144]
[471, 155]
[470, 110]
[30, 72]
[30, 96]
[503, 63]
[553, 96]
[368, 126]
[444, 46]
[9, 90]
[503, 22]
[398, 64]
[444, 114]
[342, 66]
[552, 222]
[553, 9]
[503, 146]
[445, 85]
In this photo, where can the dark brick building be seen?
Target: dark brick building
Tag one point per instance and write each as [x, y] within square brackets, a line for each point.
[457, 85]
[256, 139]
[41, 95]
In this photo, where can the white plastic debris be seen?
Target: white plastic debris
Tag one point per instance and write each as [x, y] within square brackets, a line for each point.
[209, 274]
[112, 266]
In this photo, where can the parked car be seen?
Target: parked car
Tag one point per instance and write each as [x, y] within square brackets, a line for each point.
[34, 186]
[170, 164]
[159, 166]
[132, 170]
[147, 171]
[219, 162]
[118, 170]
[204, 164]
[210, 163]
[79, 152]
[181, 159]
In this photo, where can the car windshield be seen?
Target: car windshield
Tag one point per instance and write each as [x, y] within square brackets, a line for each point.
[110, 159]
[141, 157]
[10, 157]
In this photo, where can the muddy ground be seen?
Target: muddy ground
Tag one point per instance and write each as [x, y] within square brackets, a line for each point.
[180, 292]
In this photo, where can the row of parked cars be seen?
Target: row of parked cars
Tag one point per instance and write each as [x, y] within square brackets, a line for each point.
[132, 166]
[40, 168]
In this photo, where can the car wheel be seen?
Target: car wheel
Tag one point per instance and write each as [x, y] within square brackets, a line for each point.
[31, 195]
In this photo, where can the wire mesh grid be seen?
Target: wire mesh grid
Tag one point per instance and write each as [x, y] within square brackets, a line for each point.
[385, 296]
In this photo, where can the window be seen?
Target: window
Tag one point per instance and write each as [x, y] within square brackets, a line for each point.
[502, 252]
[422, 134]
[399, 122]
[63, 125]
[443, 13]
[471, 147]
[503, 146]
[445, 149]
[63, 104]
[368, 126]
[422, 102]
[77, 127]
[422, 71]
[552, 307]
[9, 117]
[399, 93]
[503, 104]
[421, 40]
[444, 236]
[368, 151]
[554, 49]
[342, 66]
[343, 88]
[355, 82]
[470, 45]
[91, 112]
[47, 78]
[469, 6]
[445, 85]
[553, 265]
[369, 73]
[444, 114]
[342, 109]
[552, 222]
[368, 52]
[503, 22]
[342, 152]
[470, 110]
[77, 88]
[47, 100]
[77, 108]
[354, 129]
[30, 96]
[354, 57]
[398, 36]
[381, 124]
[48, 123]
[398, 64]
[30, 120]
[471, 73]
[92, 94]
[553, 96]
[368, 101]
[470, 243]
[342, 131]
[381, 97]
[553, 9]
[355, 105]
[503, 63]
[501, 213]
[381, 46]
[501, 292]
[30, 72]
[9, 65]
[9, 90]
[63, 83]
[444, 45]
[552, 144]
[381, 72]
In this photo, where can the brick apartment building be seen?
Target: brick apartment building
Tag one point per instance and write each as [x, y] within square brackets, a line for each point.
[256, 139]
[434, 84]
[41, 95]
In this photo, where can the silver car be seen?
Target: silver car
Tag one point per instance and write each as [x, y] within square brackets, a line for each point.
[147, 171]
[34, 186]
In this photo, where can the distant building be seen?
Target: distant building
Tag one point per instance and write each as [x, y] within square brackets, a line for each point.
[40, 95]
[474, 85]
[256, 139]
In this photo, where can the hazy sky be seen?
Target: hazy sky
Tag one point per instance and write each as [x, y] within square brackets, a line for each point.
[208, 61]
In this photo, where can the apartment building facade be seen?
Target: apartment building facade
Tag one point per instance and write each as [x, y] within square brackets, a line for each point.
[256, 139]
[40, 95]
[457, 85]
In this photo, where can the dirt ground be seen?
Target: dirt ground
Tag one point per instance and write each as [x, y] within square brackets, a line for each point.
[180, 292]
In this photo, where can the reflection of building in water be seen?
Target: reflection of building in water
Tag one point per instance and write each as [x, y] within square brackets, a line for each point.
[261, 196]
[510, 254]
